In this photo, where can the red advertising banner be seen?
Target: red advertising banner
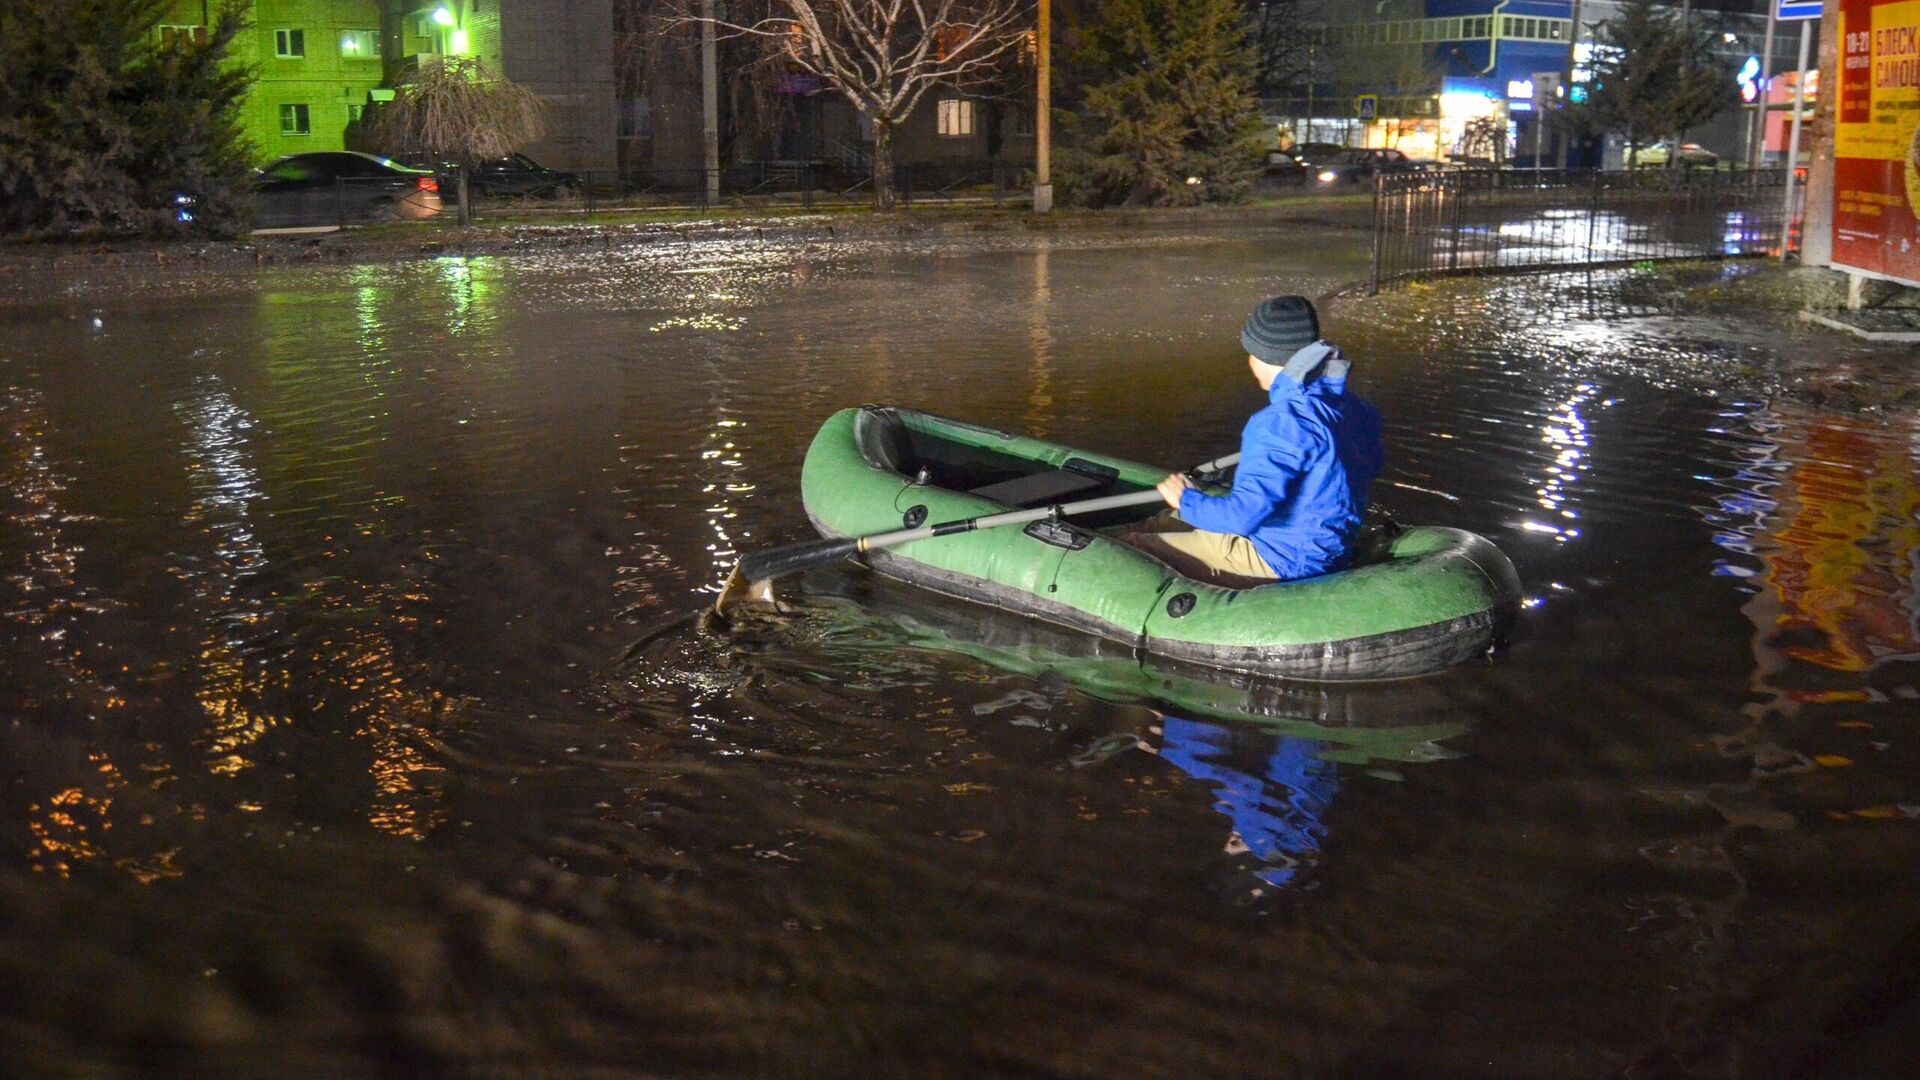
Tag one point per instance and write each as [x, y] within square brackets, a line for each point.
[1877, 140]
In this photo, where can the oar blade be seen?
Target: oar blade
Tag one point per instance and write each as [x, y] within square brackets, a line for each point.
[766, 565]
[740, 591]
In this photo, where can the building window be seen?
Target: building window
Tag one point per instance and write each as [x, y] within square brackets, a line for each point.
[956, 117]
[360, 44]
[634, 119]
[293, 120]
[179, 35]
[1023, 122]
[290, 44]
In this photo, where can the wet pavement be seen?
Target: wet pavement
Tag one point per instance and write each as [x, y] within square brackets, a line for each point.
[356, 715]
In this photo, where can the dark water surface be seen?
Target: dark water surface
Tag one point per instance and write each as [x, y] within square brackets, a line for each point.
[354, 719]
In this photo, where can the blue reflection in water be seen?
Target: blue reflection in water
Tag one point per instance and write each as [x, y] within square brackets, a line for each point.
[1276, 810]
[1741, 512]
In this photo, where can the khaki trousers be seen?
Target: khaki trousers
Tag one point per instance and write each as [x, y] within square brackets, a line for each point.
[1219, 558]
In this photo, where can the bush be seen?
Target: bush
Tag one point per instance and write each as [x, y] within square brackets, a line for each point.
[105, 130]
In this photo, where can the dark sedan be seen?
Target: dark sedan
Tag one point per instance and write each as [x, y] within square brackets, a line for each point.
[518, 174]
[341, 187]
[1356, 166]
[1284, 168]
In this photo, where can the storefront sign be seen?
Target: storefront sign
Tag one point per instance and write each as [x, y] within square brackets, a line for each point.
[1877, 140]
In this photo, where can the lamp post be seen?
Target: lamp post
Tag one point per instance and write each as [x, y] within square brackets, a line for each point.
[1043, 109]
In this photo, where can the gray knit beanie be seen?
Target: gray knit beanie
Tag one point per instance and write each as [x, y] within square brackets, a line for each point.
[1280, 327]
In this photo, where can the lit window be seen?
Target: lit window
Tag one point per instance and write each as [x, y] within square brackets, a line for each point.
[290, 44]
[180, 35]
[360, 44]
[293, 120]
[956, 117]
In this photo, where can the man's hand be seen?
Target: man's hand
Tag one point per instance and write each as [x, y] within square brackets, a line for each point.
[1172, 486]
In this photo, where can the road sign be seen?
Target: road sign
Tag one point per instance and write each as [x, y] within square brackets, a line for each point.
[1786, 10]
[1367, 106]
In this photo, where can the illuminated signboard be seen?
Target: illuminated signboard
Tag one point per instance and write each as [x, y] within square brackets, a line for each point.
[1876, 169]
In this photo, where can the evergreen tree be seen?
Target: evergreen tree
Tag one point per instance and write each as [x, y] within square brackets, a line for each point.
[104, 128]
[1165, 112]
[1653, 78]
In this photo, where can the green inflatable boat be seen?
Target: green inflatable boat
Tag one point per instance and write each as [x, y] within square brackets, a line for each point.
[1417, 600]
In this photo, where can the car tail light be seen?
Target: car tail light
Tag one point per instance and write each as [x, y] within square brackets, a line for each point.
[427, 183]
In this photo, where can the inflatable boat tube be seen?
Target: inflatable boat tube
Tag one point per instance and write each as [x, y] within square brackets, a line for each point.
[1417, 600]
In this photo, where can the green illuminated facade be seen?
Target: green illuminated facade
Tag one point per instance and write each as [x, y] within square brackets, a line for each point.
[319, 63]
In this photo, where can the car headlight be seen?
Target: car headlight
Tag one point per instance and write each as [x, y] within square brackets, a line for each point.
[1328, 176]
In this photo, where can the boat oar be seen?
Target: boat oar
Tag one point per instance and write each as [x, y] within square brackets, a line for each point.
[754, 572]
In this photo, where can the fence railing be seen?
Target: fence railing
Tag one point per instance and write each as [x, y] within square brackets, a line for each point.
[1470, 221]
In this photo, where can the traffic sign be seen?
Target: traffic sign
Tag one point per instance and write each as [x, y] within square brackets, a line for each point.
[1367, 106]
[1788, 10]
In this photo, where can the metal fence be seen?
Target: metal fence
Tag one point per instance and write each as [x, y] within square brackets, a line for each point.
[768, 186]
[1474, 221]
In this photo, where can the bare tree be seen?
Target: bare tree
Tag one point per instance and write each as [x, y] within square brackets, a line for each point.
[459, 109]
[884, 55]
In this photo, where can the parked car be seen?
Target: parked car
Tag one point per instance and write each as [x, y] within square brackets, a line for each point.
[518, 174]
[1285, 168]
[341, 187]
[1691, 154]
[1358, 166]
[513, 176]
[1312, 152]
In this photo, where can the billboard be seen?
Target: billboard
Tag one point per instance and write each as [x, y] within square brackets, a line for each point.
[1876, 168]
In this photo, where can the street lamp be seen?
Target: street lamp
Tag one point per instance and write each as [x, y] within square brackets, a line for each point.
[443, 16]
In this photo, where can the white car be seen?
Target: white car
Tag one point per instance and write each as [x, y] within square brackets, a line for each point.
[1692, 154]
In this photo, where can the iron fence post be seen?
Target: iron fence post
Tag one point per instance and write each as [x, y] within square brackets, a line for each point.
[1593, 209]
[1379, 233]
[1453, 227]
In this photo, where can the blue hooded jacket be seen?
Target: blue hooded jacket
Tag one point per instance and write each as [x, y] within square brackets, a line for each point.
[1306, 461]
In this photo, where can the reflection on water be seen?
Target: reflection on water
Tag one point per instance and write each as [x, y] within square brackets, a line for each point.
[1274, 790]
[358, 714]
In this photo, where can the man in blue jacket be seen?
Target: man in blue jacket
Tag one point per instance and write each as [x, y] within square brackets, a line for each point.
[1306, 461]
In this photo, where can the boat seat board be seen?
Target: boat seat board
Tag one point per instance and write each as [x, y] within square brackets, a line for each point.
[1039, 489]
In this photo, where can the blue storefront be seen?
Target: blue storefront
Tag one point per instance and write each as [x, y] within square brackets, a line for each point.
[1488, 54]
[1501, 63]
[1508, 53]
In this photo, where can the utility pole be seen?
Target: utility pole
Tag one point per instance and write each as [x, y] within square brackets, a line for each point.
[1043, 109]
[1757, 152]
[1307, 137]
[710, 101]
[1793, 140]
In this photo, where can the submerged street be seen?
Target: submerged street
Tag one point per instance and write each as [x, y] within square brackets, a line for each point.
[356, 713]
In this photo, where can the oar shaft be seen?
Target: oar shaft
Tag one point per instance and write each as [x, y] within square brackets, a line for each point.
[765, 565]
[1218, 463]
[1011, 517]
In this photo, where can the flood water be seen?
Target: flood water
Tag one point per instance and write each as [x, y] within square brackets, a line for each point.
[355, 716]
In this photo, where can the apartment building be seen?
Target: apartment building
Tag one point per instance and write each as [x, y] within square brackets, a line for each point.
[319, 64]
